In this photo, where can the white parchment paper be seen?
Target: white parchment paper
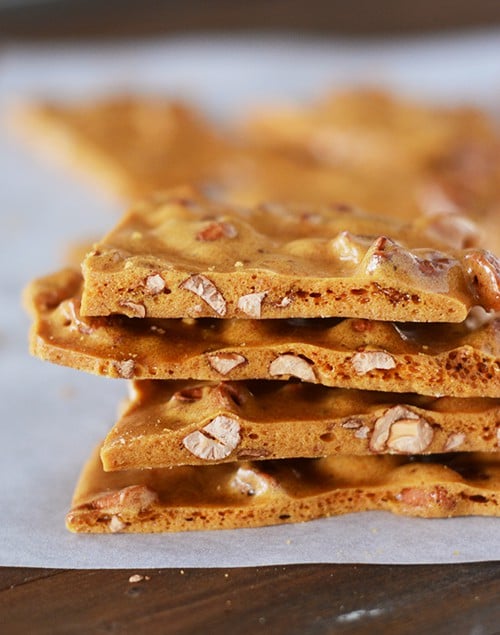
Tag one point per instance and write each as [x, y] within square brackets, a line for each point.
[52, 417]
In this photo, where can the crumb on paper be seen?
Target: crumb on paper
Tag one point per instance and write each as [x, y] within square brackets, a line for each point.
[67, 392]
[137, 577]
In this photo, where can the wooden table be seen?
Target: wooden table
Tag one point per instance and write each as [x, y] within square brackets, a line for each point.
[459, 599]
[70, 19]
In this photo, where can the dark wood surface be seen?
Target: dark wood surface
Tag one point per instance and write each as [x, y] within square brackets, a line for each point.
[69, 19]
[438, 600]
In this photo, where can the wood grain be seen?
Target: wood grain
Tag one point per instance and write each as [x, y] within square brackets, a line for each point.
[314, 599]
[121, 18]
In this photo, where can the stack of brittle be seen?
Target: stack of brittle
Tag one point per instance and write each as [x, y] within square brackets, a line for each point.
[287, 363]
[292, 359]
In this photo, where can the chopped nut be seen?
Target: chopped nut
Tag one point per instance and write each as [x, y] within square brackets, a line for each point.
[288, 364]
[206, 289]
[217, 230]
[135, 309]
[483, 272]
[362, 433]
[478, 317]
[430, 268]
[216, 440]
[410, 436]
[125, 369]
[401, 430]
[286, 301]
[134, 498]
[72, 313]
[352, 424]
[380, 252]
[426, 498]
[372, 360]
[115, 524]
[224, 363]
[251, 303]
[349, 248]
[435, 264]
[115, 255]
[155, 284]
[251, 482]
[454, 441]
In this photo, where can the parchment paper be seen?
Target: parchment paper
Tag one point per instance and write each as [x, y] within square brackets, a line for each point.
[52, 417]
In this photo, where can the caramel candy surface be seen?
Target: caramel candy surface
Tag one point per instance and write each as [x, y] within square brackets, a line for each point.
[461, 360]
[175, 423]
[179, 255]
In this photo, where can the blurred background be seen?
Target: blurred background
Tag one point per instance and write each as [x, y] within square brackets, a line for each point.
[70, 19]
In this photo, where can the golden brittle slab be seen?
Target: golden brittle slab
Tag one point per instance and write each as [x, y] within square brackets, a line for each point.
[373, 130]
[191, 423]
[461, 360]
[132, 144]
[252, 494]
[179, 255]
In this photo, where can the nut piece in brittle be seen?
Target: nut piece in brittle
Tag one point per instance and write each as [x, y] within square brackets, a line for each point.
[251, 482]
[292, 365]
[483, 274]
[257, 493]
[367, 361]
[215, 441]
[321, 268]
[192, 423]
[401, 430]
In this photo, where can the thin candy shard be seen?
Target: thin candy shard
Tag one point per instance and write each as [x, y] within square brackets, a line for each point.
[252, 494]
[404, 275]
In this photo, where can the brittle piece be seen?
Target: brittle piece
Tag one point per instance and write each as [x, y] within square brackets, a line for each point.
[212, 260]
[382, 152]
[373, 130]
[133, 144]
[190, 423]
[252, 494]
[461, 360]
